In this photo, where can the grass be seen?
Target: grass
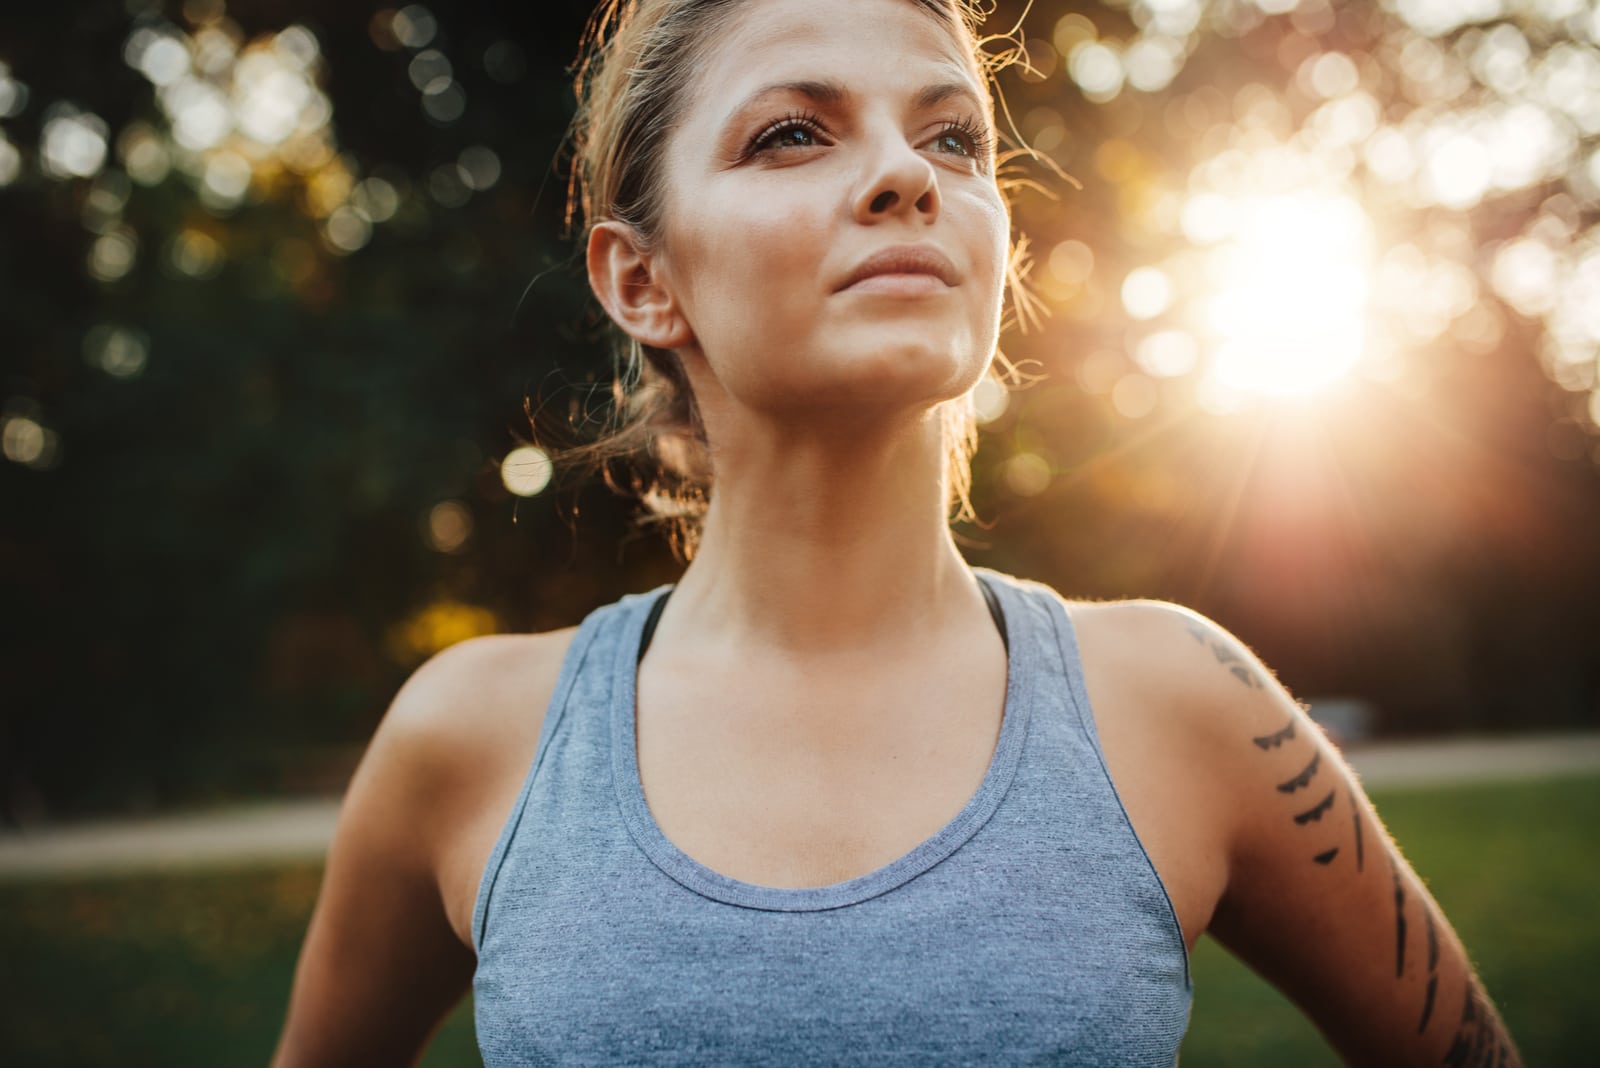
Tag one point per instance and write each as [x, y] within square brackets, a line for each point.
[194, 968]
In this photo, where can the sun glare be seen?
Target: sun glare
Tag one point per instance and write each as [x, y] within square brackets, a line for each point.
[1288, 296]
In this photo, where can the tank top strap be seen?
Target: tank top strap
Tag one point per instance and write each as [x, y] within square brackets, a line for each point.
[586, 668]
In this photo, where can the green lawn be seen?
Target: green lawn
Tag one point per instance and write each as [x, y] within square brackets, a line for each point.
[194, 968]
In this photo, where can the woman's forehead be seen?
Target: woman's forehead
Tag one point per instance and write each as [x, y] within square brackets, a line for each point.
[861, 45]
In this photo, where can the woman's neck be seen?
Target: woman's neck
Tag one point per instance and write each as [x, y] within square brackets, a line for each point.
[811, 546]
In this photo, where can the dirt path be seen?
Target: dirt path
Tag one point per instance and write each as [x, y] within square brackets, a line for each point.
[300, 830]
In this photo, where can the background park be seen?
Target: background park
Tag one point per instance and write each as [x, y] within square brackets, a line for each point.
[1311, 343]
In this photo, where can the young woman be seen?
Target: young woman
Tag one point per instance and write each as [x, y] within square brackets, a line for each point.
[841, 799]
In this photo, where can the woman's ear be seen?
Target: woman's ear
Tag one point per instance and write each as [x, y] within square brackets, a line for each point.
[629, 285]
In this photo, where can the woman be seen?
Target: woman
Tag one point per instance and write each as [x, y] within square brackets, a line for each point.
[841, 798]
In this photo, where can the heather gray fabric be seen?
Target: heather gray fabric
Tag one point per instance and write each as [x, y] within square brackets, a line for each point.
[1032, 929]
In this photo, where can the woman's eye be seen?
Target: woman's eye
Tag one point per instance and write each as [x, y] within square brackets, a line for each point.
[790, 134]
[962, 138]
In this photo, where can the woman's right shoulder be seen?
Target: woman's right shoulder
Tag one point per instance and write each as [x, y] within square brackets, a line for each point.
[477, 698]
[448, 759]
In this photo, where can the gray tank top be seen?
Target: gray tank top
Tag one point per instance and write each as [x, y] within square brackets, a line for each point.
[1031, 929]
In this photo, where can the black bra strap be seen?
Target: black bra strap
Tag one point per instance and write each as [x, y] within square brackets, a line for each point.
[989, 598]
[652, 619]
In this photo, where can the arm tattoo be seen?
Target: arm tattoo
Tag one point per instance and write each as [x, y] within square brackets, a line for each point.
[1237, 665]
[1399, 920]
[1480, 1042]
[1304, 778]
[1314, 813]
[1327, 856]
[1356, 813]
[1276, 738]
[1433, 970]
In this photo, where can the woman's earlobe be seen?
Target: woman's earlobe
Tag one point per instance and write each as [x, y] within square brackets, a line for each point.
[626, 280]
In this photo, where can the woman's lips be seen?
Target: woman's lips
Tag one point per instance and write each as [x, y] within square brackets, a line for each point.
[909, 270]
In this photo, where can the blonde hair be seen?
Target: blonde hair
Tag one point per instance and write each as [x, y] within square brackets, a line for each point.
[633, 70]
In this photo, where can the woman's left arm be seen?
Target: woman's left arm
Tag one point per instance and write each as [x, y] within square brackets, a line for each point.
[1319, 900]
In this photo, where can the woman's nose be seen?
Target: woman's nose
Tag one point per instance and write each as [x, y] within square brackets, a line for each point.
[899, 182]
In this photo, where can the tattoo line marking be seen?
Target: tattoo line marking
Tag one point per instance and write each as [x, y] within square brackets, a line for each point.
[1399, 921]
[1276, 738]
[1237, 665]
[1326, 858]
[1478, 1041]
[1356, 811]
[1315, 812]
[1302, 779]
[1433, 969]
[1427, 1003]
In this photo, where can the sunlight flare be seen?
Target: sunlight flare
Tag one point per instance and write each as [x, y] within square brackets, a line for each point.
[1288, 300]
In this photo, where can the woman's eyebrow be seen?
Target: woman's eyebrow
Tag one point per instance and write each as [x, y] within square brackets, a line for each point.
[832, 93]
[824, 93]
[934, 95]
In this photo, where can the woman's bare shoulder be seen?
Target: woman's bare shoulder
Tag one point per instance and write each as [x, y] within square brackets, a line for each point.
[1181, 665]
[477, 692]
[461, 731]
[448, 758]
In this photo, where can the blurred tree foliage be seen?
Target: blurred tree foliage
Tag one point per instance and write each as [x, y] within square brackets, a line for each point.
[265, 348]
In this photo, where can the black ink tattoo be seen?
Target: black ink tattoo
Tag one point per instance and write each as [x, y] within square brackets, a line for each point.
[1433, 969]
[1326, 858]
[1276, 738]
[1479, 1040]
[1304, 778]
[1399, 920]
[1355, 810]
[1237, 665]
[1314, 813]
[1427, 1003]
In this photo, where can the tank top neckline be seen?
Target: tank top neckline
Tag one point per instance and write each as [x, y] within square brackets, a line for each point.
[694, 876]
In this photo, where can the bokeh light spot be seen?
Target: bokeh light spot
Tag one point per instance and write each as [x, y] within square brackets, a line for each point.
[1097, 69]
[10, 161]
[448, 527]
[505, 62]
[13, 94]
[26, 441]
[1525, 276]
[526, 471]
[1330, 74]
[143, 154]
[1134, 396]
[72, 142]
[117, 350]
[376, 198]
[195, 254]
[428, 67]
[1027, 474]
[1146, 292]
[1168, 353]
[414, 26]
[444, 101]
[446, 187]
[346, 230]
[1071, 262]
[480, 167]
[225, 182]
[113, 254]
[990, 399]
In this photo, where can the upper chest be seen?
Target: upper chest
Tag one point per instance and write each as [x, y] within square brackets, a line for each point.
[803, 775]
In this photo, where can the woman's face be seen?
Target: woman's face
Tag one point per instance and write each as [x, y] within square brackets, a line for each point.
[832, 233]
